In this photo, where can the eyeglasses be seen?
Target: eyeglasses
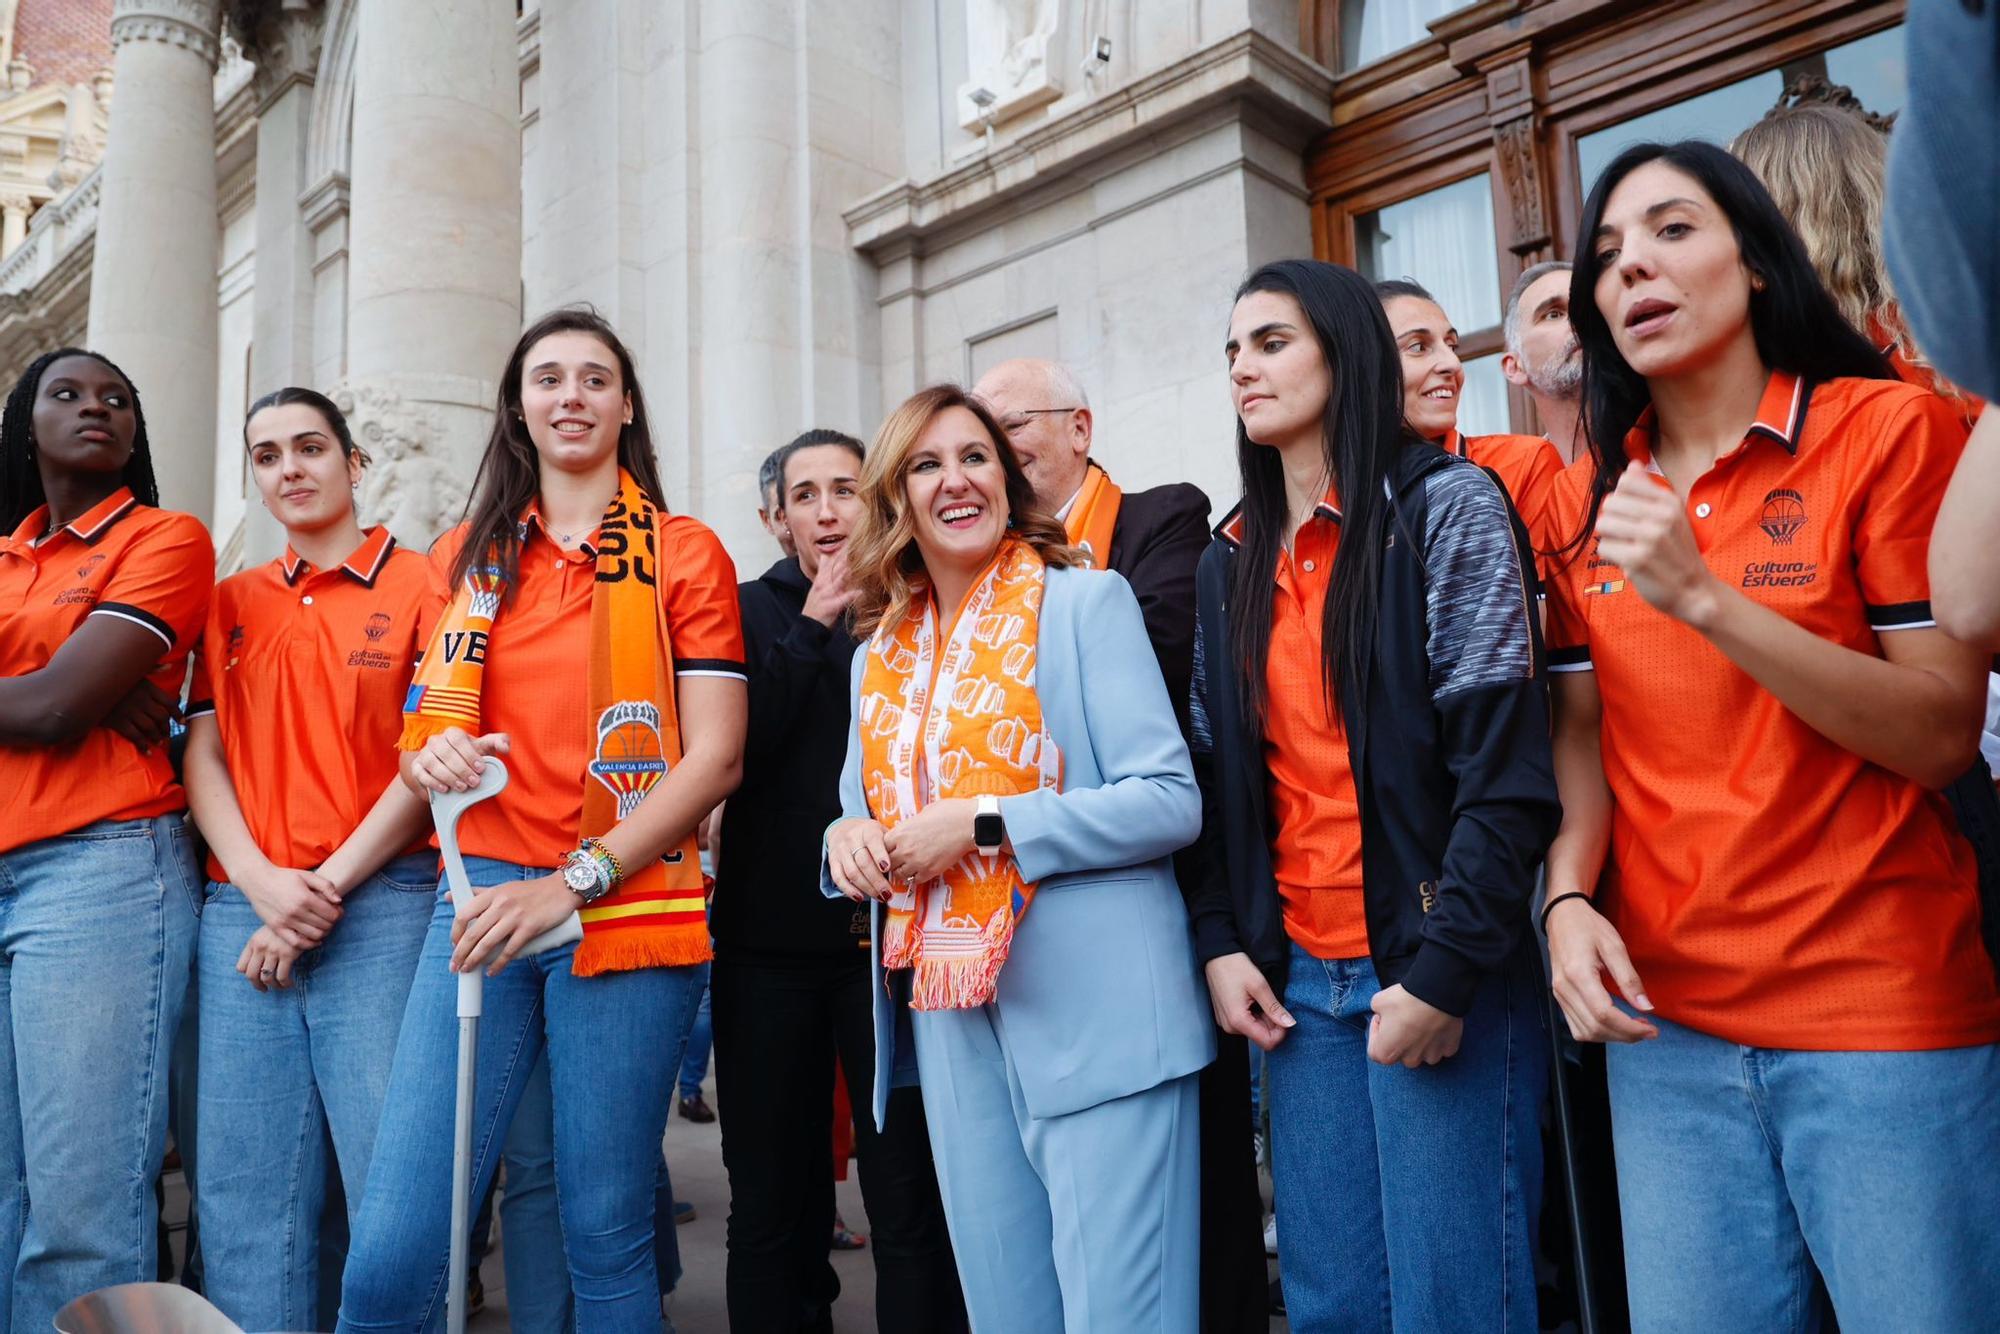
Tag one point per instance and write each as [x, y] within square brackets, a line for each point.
[1018, 419]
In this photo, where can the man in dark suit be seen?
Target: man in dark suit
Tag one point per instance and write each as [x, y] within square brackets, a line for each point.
[1154, 538]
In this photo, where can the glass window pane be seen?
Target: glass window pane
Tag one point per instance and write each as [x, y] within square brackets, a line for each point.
[1482, 403]
[1873, 67]
[1444, 240]
[1371, 29]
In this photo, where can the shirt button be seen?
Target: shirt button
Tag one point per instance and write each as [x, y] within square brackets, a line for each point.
[1701, 510]
[1309, 567]
[307, 599]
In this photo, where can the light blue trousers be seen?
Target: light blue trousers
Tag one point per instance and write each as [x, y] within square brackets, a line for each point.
[1089, 1223]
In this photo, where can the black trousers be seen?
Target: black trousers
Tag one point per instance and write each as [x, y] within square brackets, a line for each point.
[1235, 1284]
[778, 1024]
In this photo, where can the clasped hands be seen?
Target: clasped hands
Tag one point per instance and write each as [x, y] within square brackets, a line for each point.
[865, 859]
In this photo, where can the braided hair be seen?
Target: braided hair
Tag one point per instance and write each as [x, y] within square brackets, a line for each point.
[20, 478]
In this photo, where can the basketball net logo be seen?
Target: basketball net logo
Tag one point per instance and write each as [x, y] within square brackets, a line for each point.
[485, 584]
[630, 759]
[1784, 514]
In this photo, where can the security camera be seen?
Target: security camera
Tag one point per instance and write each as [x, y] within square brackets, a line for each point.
[1100, 51]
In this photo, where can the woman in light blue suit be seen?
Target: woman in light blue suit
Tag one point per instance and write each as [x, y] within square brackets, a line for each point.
[1055, 1029]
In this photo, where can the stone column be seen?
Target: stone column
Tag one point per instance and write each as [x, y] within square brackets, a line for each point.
[153, 306]
[15, 205]
[283, 38]
[434, 246]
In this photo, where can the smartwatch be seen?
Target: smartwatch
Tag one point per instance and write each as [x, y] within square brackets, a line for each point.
[988, 830]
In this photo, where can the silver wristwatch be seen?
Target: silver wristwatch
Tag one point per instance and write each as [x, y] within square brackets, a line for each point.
[586, 876]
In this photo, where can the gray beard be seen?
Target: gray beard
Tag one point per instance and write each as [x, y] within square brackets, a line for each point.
[1562, 380]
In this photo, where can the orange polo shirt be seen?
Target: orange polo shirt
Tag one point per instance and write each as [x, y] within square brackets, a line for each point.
[1315, 808]
[1773, 887]
[536, 685]
[148, 567]
[1527, 466]
[304, 671]
[1968, 406]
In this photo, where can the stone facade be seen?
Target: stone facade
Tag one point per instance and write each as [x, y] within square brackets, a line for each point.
[796, 213]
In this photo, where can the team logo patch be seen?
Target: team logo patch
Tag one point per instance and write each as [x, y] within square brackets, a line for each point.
[630, 758]
[486, 584]
[377, 626]
[89, 567]
[1784, 514]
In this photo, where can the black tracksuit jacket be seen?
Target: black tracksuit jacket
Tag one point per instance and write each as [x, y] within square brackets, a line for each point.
[1448, 734]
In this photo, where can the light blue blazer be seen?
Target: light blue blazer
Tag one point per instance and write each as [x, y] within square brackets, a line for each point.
[1100, 994]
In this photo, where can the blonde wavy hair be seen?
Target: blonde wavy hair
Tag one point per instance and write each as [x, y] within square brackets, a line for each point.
[884, 563]
[1824, 166]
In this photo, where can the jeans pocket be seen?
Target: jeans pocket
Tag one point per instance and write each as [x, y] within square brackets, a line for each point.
[409, 876]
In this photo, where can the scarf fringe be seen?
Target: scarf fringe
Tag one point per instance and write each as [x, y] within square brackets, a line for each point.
[899, 940]
[623, 950]
[964, 983]
[419, 728]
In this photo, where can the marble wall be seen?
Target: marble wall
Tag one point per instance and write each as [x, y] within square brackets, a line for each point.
[795, 212]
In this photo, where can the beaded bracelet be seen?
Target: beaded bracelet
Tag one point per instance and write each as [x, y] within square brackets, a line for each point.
[605, 858]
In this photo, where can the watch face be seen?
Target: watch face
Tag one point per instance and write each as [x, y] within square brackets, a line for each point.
[987, 831]
[580, 876]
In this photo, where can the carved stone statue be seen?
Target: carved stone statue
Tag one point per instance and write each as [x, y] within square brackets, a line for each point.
[1013, 52]
[410, 484]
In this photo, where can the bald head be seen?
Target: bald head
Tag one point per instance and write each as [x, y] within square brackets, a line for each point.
[1047, 419]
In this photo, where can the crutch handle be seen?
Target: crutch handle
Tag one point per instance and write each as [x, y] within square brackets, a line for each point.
[446, 808]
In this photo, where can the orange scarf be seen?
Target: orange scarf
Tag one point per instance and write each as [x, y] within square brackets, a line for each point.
[1093, 516]
[657, 916]
[961, 721]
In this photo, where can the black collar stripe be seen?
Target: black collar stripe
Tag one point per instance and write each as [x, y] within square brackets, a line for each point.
[368, 576]
[291, 563]
[1795, 420]
[103, 525]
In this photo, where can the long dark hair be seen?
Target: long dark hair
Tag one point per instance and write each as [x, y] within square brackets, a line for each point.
[336, 420]
[510, 471]
[20, 480]
[1797, 324]
[1362, 431]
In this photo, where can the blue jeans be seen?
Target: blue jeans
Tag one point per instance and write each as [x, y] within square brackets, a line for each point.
[538, 1295]
[1740, 1169]
[701, 1037]
[280, 1069]
[1407, 1199]
[97, 932]
[610, 1094]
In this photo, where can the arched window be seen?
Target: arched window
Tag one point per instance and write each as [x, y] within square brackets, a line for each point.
[1371, 29]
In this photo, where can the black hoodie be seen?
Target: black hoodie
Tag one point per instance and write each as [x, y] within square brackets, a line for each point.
[767, 897]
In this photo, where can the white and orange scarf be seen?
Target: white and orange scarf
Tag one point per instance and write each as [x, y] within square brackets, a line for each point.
[958, 721]
[657, 917]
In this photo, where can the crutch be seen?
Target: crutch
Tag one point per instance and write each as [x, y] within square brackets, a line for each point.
[446, 807]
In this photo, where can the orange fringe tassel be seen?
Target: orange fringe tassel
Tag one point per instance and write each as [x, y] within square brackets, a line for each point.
[621, 951]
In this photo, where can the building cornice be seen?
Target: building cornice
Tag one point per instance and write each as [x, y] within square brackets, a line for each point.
[324, 201]
[190, 24]
[1247, 68]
